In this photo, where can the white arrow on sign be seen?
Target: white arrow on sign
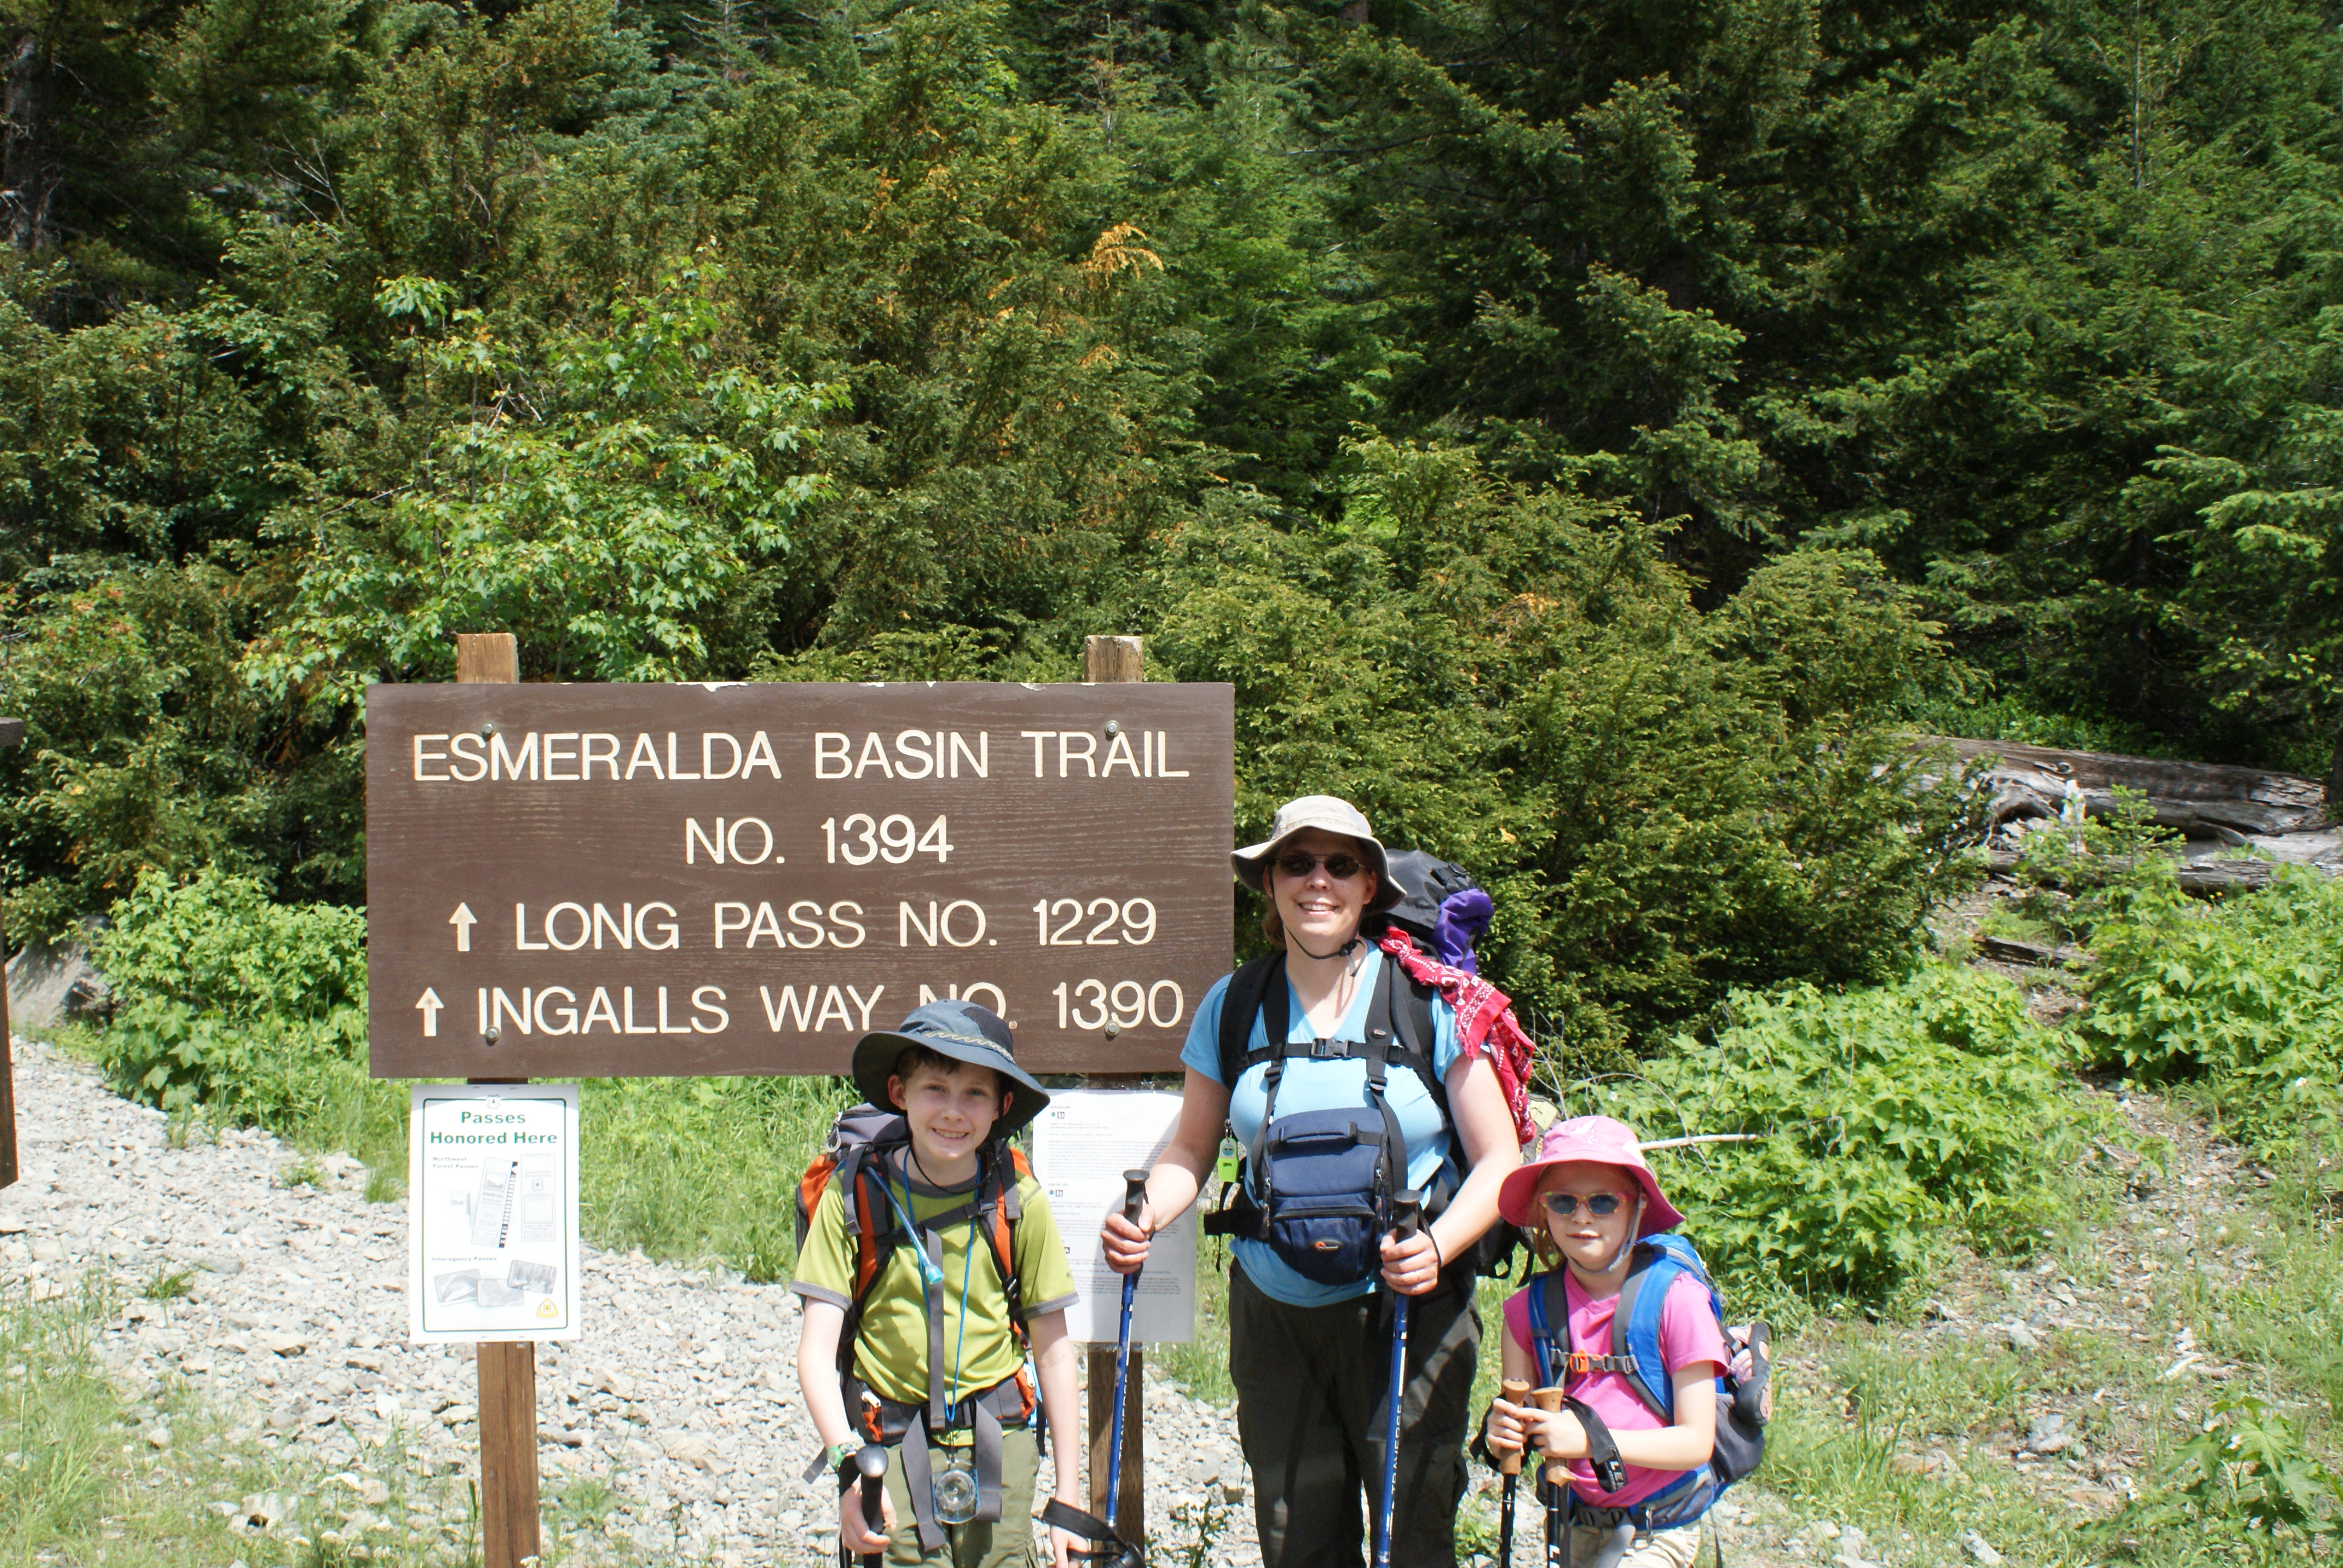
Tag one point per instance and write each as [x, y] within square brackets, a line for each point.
[429, 1007]
[463, 920]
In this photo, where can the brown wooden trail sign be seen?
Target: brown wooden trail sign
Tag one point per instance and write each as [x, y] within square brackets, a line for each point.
[677, 881]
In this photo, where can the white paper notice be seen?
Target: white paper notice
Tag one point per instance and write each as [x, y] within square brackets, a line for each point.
[1082, 1143]
[492, 1212]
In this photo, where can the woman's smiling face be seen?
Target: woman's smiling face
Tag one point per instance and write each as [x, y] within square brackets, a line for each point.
[1317, 907]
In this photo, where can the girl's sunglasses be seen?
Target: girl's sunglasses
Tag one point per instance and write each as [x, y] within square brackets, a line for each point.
[1602, 1205]
[1339, 866]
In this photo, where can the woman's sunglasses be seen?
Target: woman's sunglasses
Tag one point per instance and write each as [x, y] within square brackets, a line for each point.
[1602, 1205]
[1339, 866]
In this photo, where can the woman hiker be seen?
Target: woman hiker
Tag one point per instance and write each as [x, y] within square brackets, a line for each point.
[1371, 1090]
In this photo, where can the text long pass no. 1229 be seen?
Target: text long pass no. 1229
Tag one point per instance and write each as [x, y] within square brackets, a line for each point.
[668, 880]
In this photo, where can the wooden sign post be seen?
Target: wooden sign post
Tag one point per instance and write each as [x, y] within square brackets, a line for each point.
[12, 734]
[509, 1526]
[1117, 658]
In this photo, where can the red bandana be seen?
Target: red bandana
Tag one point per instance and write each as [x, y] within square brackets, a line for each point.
[1484, 1022]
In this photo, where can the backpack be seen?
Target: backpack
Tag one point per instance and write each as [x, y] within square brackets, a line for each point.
[1325, 1180]
[1742, 1409]
[855, 1155]
[1441, 909]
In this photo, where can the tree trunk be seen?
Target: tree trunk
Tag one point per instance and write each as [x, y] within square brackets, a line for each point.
[2335, 780]
[28, 175]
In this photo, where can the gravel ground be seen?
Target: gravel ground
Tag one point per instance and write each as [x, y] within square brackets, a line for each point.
[680, 1399]
[670, 1432]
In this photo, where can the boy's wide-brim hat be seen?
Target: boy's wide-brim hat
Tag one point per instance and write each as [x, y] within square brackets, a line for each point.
[1595, 1140]
[965, 1032]
[1331, 814]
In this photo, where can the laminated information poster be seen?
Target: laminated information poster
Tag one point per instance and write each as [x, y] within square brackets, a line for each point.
[1082, 1143]
[492, 1212]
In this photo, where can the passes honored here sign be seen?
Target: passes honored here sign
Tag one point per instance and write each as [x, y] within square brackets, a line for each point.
[672, 881]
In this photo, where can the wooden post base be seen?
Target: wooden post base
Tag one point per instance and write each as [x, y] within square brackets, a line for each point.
[1130, 1514]
[509, 1528]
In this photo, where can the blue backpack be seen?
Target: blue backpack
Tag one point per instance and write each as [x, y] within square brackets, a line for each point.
[1742, 1407]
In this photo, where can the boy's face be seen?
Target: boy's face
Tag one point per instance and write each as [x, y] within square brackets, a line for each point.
[1588, 1238]
[952, 1113]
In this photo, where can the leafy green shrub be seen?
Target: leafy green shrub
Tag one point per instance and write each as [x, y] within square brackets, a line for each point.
[1890, 1117]
[230, 1001]
[2248, 1483]
[2245, 999]
[1667, 803]
[217, 944]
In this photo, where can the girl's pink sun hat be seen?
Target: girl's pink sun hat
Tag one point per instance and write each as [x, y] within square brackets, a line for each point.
[1596, 1141]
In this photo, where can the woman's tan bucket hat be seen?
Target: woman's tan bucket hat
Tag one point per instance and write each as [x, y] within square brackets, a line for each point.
[1334, 815]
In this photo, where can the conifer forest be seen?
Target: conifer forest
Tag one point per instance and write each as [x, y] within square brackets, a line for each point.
[1587, 435]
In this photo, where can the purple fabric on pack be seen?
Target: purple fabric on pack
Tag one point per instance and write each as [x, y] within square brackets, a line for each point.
[1462, 918]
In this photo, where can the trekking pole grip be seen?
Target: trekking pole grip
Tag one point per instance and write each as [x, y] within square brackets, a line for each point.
[1557, 1472]
[1407, 1214]
[871, 1463]
[1516, 1391]
[1134, 1193]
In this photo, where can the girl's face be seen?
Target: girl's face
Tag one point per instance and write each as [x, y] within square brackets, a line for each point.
[1314, 904]
[1588, 1238]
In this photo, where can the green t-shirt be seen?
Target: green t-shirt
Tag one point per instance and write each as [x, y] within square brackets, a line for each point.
[891, 1349]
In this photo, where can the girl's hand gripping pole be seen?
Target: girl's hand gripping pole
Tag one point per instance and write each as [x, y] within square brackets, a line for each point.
[1516, 1391]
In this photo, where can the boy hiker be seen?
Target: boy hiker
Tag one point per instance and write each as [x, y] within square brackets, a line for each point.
[933, 1253]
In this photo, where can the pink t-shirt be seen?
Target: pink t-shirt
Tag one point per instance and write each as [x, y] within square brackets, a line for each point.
[1688, 1333]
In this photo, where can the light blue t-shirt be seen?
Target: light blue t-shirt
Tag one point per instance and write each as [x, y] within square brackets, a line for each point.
[1325, 1086]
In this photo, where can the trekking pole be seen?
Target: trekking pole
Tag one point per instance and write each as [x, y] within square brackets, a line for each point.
[1516, 1391]
[1406, 1209]
[1553, 1477]
[1134, 1194]
[872, 1463]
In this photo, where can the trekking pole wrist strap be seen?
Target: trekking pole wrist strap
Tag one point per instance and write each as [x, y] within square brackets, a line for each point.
[1107, 1547]
[1601, 1448]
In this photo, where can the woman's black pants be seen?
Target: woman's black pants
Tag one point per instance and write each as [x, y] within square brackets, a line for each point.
[1310, 1414]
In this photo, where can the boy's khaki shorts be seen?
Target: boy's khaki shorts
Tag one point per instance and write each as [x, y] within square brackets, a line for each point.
[1008, 1545]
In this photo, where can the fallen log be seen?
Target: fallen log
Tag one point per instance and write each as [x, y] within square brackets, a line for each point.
[2202, 799]
[2013, 951]
[2200, 875]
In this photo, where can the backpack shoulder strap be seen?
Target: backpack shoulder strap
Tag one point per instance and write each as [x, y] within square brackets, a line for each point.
[1549, 1305]
[1003, 1208]
[1407, 1004]
[1249, 988]
[1635, 1326]
[1413, 1027]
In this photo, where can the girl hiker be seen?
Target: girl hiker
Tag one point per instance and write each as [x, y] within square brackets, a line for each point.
[1371, 1089]
[931, 1253]
[1637, 1485]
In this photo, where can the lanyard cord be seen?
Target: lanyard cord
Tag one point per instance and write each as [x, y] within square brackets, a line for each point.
[934, 1268]
[959, 1337]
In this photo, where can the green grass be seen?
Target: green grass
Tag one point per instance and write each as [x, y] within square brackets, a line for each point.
[169, 1285]
[82, 1483]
